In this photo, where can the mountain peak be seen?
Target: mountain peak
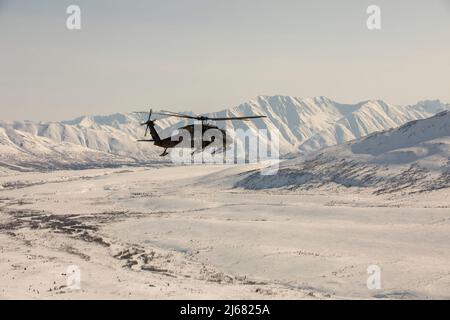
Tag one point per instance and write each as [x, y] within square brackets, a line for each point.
[303, 124]
[108, 120]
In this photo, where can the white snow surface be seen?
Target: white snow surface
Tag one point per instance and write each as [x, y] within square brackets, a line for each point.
[186, 233]
[310, 231]
[412, 158]
[304, 125]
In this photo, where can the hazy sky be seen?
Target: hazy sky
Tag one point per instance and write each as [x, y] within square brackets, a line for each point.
[206, 55]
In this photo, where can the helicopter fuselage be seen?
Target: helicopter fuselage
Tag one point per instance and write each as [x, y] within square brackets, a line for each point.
[194, 136]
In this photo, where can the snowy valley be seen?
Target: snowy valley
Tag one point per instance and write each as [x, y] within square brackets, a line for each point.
[361, 185]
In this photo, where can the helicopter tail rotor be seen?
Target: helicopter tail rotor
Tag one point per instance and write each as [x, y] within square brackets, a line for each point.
[148, 123]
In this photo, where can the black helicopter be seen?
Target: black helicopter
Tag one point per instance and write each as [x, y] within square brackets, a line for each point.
[202, 126]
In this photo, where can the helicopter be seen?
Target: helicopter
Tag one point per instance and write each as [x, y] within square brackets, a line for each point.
[202, 125]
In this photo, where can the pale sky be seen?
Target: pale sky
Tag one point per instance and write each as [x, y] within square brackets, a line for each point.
[207, 55]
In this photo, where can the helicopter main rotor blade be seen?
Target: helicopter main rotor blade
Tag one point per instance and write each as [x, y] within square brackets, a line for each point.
[171, 112]
[179, 115]
[236, 118]
[176, 115]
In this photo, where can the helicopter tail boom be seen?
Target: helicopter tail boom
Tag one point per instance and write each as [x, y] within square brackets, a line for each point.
[153, 132]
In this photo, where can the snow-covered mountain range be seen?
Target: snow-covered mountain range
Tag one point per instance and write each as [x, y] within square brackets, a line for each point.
[412, 158]
[304, 126]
